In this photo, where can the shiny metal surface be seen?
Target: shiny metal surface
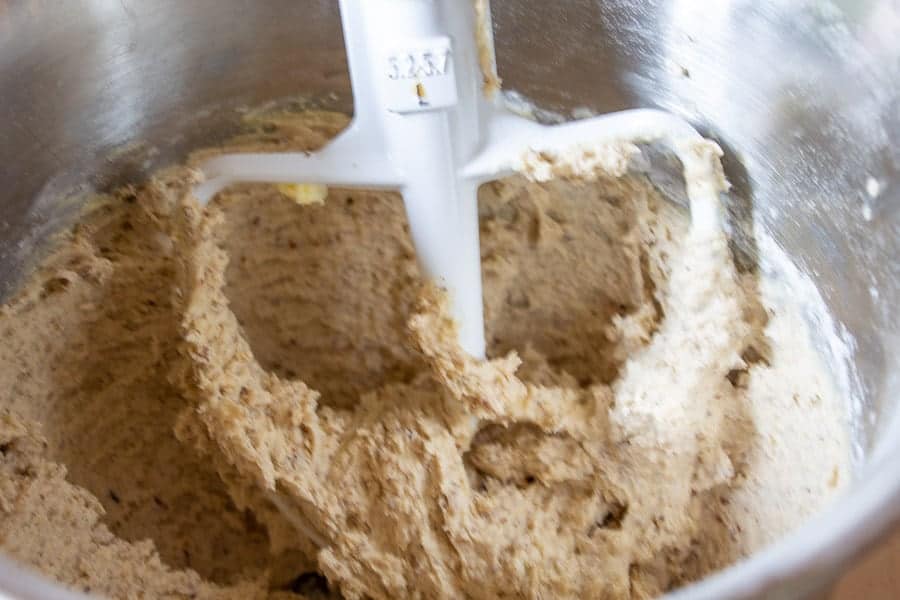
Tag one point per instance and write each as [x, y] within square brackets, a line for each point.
[803, 94]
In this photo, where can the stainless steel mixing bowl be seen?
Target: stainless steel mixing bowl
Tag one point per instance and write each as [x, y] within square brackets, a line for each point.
[803, 94]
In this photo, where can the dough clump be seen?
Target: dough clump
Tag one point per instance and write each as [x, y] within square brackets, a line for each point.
[263, 399]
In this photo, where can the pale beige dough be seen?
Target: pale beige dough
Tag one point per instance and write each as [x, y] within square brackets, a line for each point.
[224, 402]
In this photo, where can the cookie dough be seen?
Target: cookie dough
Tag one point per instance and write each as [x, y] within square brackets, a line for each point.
[262, 398]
